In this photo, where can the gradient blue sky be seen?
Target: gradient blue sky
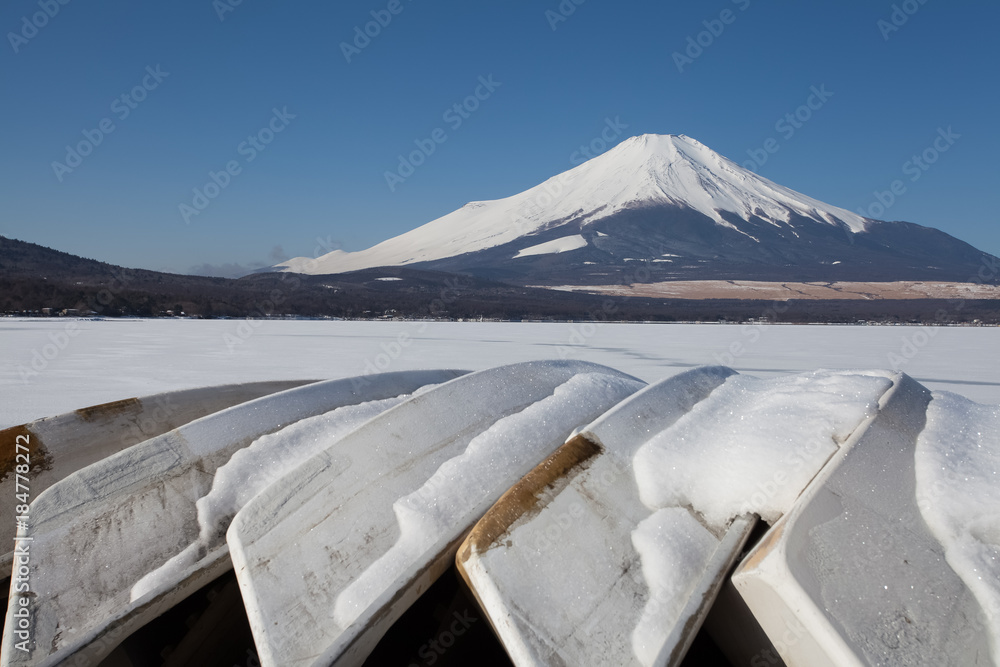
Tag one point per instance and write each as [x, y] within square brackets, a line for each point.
[323, 176]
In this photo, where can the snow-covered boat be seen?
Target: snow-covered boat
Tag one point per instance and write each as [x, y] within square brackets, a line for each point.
[54, 447]
[371, 522]
[97, 541]
[891, 555]
[612, 551]
[594, 520]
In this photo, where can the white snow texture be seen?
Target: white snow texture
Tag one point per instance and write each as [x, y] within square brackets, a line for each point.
[958, 492]
[754, 444]
[253, 469]
[452, 496]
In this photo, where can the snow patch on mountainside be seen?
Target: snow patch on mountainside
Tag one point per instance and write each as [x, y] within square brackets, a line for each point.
[565, 244]
[642, 171]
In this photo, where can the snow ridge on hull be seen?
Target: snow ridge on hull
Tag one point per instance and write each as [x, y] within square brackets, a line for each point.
[610, 551]
[613, 555]
[371, 522]
[59, 446]
[97, 532]
[852, 575]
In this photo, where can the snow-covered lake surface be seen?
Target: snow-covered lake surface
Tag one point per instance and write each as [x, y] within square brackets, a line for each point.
[52, 366]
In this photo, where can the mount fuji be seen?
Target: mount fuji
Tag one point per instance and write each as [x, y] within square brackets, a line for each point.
[666, 208]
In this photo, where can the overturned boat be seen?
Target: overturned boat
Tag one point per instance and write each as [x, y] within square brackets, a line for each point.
[840, 518]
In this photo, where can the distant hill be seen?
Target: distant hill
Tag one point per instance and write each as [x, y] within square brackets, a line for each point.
[33, 277]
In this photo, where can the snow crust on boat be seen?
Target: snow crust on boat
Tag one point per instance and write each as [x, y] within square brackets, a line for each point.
[853, 575]
[98, 531]
[604, 517]
[59, 446]
[958, 493]
[620, 554]
[372, 522]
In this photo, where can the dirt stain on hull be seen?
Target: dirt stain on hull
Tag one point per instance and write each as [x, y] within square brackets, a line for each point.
[110, 410]
[524, 498]
[36, 456]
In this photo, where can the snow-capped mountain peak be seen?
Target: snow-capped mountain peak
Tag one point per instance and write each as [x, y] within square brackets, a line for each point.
[641, 172]
[677, 169]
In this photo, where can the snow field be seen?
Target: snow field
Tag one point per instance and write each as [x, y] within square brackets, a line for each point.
[116, 359]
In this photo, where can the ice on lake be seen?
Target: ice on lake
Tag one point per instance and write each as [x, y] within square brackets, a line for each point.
[52, 366]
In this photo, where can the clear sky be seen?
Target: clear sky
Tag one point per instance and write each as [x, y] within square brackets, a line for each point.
[153, 96]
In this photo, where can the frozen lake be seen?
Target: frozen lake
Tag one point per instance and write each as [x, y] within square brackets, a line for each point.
[52, 366]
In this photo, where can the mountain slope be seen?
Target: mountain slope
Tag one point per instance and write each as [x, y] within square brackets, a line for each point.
[677, 209]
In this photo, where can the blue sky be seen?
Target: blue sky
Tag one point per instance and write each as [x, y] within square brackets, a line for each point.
[211, 75]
